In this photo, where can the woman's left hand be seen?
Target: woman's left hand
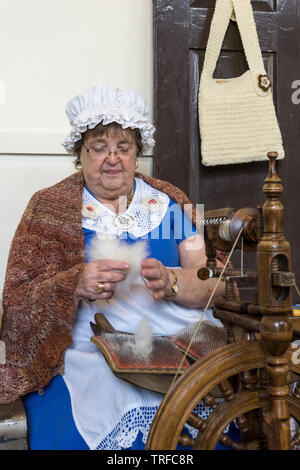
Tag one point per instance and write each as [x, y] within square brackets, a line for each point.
[159, 278]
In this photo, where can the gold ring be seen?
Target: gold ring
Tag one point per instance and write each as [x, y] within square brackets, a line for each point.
[100, 287]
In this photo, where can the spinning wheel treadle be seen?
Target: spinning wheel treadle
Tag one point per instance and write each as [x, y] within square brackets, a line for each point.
[239, 372]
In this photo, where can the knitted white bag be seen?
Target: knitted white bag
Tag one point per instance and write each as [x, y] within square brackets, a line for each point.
[237, 118]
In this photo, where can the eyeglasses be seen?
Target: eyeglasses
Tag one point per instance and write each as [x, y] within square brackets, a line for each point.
[102, 151]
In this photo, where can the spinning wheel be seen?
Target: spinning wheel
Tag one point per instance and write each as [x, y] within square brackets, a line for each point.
[254, 382]
[237, 373]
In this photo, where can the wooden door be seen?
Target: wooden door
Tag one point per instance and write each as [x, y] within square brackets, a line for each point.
[181, 29]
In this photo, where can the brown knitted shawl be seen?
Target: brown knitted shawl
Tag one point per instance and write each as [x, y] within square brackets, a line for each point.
[46, 256]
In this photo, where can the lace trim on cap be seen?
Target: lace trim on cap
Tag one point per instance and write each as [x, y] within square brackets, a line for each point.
[139, 420]
[144, 217]
[115, 112]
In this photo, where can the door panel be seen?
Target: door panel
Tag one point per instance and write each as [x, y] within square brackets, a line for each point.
[181, 30]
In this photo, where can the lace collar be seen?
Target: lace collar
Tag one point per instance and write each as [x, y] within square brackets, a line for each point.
[146, 211]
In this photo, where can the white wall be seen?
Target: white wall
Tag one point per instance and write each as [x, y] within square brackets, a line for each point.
[49, 52]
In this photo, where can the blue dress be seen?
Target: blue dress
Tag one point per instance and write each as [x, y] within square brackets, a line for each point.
[49, 412]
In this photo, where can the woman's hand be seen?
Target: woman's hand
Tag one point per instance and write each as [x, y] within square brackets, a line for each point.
[101, 271]
[159, 278]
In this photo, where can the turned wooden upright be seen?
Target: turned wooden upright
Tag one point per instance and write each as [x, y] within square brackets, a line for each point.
[269, 314]
[275, 302]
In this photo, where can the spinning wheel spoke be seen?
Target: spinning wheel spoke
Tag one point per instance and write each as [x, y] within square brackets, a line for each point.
[226, 441]
[186, 441]
[250, 379]
[196, 422]
[227, 390]
[210, 400]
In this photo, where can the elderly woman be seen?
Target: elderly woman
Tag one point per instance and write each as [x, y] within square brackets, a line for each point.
[54, 287]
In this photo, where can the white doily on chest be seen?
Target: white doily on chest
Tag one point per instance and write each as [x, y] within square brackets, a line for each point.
[146, 211]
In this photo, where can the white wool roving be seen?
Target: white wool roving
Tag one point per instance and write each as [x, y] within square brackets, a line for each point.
[143, 339]
[138, 346]
[116, 249]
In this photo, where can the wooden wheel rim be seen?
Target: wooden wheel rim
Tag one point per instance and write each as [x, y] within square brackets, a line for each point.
[196, 382]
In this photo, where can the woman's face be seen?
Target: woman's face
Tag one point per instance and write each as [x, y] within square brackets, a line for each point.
[108, 163]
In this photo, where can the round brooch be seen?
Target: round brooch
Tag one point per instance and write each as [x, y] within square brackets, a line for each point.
[124, 222]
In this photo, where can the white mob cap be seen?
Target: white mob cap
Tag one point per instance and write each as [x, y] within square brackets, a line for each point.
[104, 104]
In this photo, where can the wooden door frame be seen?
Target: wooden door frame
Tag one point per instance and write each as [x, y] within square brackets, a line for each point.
[171, 155]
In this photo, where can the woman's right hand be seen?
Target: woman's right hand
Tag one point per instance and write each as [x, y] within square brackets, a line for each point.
[102, 271]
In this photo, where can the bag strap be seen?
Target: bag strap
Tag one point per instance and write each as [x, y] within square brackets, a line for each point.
[218, 28]
[245, 20]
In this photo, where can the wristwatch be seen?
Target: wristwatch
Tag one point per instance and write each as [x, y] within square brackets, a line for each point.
[175, 287]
